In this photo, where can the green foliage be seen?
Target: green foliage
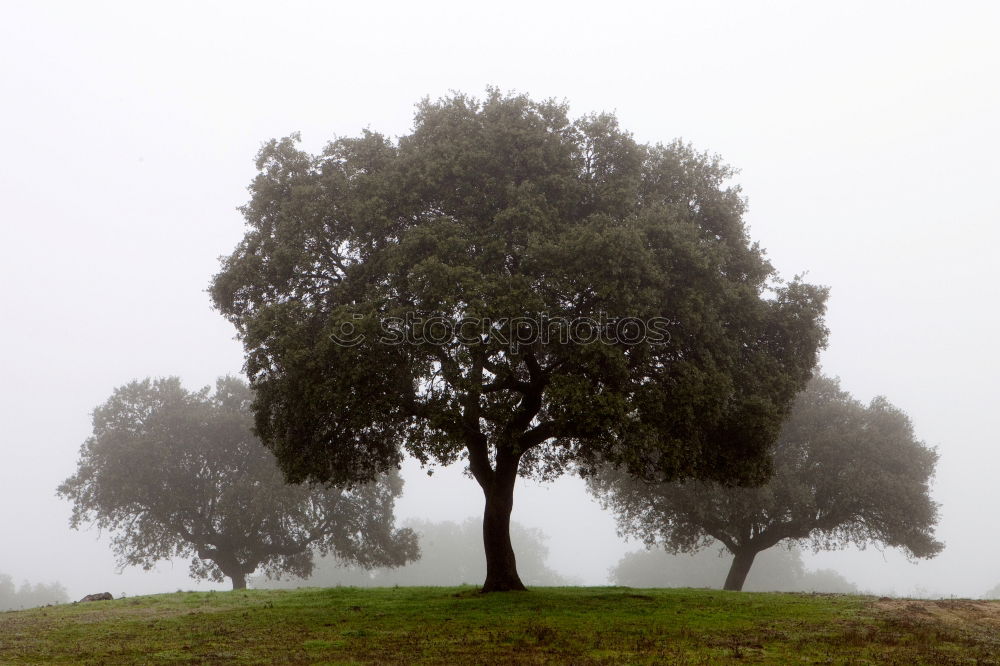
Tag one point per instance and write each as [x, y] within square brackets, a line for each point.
[28, 595]
[844, 473]
[458, 626]
[450, 554]
[178, 474]
[503, 210]
[775, 570]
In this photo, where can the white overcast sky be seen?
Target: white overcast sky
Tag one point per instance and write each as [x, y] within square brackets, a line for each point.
[866, 134]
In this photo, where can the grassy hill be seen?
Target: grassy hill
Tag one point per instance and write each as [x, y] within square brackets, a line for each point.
[458, 625]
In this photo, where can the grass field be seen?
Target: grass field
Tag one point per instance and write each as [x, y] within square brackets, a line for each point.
[545, 625]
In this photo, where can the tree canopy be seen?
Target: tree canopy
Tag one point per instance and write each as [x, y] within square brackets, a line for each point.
[173, 473]
[843, 473]
[517, 289]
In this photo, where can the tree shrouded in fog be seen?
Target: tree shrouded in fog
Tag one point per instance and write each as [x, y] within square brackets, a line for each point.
[450, 554]
[172, 473]
[775, 570]
[28, 595]
[509, 287]
[843, 473]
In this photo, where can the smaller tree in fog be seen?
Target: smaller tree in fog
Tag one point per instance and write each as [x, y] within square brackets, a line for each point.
[843, 473]
[171, 473]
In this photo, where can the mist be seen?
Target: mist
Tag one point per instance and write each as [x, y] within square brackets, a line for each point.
[866, 137]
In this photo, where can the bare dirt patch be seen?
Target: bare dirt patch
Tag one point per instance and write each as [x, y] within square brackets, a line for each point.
[964, 612]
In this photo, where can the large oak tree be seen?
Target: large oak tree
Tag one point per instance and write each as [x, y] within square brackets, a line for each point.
[173, 473]
[844, 473]
[491, 220]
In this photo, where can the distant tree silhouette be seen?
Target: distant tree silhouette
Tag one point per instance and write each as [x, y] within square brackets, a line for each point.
[28, 595]
[775, 570]
[450, 554]
[993, 592]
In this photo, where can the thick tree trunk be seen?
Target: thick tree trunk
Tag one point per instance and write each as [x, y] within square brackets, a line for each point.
[224, 558]
[239, 581]
[742, 561]
[501, 567]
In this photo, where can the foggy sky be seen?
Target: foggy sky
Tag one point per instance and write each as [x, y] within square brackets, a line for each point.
[866, 134]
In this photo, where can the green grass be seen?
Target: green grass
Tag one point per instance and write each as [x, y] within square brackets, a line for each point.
[458, 625]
